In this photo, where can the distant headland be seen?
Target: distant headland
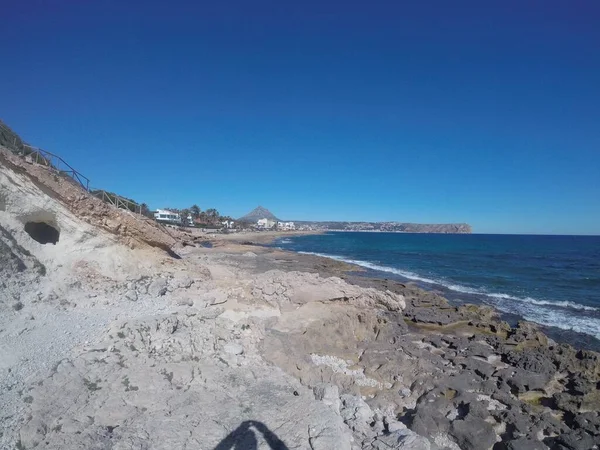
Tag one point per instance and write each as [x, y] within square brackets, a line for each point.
[261, 212]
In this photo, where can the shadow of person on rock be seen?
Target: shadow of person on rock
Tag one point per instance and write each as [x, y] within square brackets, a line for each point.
[243, 438]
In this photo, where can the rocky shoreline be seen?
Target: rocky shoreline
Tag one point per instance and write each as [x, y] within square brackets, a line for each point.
[371, 278]
[538, 389]
[109, 341]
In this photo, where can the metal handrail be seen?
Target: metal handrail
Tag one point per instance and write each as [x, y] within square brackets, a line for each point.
[55, 162]
[60, 166]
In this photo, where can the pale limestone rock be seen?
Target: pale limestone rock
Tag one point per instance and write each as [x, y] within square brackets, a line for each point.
[296, 288]
[158, 287]
[328, 394]
[233, 348]
[401, 440]
[33, 433]
[160, 381]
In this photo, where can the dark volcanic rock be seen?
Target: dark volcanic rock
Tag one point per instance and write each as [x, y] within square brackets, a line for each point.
[481, 368]
[532, 361]
[579, 385]
[430, 416]
[566, 402]
[466, 370]
[574, 440]
[473, 433]
[588, 421]
[435, 316]
[480, 349]
[525, 444]
[522, 381]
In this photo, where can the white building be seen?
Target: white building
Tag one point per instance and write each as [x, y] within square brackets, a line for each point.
[229, 224]
[265, 224]
[166, 216]
[286, 226]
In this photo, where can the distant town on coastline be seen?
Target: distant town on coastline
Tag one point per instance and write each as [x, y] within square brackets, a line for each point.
[261, 218]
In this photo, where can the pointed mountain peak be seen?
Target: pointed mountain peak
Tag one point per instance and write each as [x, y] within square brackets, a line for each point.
[258, 213]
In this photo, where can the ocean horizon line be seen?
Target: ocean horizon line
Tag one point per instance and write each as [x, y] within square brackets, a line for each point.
[466, 234]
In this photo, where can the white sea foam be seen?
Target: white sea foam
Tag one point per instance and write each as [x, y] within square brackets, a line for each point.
[560, 304]
[546, 312]
[554, 318]
[372, 266]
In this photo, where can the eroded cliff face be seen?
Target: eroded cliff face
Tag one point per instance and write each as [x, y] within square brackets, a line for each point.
[33, 193]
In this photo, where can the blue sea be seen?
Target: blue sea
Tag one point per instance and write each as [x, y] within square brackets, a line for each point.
[551, 280]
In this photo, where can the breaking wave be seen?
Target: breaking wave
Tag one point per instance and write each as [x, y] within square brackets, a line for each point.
[565, 315]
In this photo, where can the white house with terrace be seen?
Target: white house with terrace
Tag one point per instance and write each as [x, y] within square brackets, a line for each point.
[229, 224]
[286, 226]
[265, 224]
[166, 216]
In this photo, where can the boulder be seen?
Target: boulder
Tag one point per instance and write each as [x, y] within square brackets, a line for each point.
[433, 315]
[401, 440]
[523, 380]
[184, 282]
[431, 416]
[473, 433]
[131, 295]
[574, 440]
[526, 444]
[531, 360]
[328, 394]
[298, 288]
[158, 287]
[233, 348]
[357, 414]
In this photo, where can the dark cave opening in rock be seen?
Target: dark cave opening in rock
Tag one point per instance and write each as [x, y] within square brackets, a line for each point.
[42, 232]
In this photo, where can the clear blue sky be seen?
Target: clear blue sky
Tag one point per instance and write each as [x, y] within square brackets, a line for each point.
[486, 112]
